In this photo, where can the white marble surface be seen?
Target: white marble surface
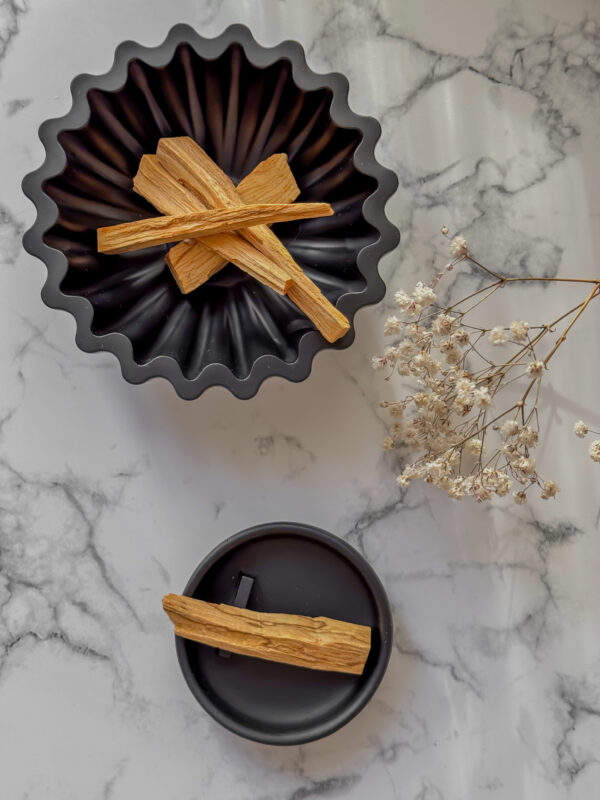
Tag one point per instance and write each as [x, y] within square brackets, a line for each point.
[110, 494]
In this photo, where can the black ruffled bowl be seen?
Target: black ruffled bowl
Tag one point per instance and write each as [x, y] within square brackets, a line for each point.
[242, 103]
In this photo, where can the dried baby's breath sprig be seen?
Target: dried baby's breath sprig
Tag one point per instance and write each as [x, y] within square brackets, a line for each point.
[464, 439]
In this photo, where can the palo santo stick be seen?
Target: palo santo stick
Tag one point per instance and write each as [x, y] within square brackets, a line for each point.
[188, 162]
[161, 189]
[226, 247]
[313, 642]
[193, 263]
[162, 230]
[271, 181]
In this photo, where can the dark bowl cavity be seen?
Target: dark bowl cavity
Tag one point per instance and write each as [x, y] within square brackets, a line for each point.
[242, 103]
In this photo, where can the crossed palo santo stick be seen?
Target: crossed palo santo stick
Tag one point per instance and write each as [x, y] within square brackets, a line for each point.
[162, 230]
[220, 223]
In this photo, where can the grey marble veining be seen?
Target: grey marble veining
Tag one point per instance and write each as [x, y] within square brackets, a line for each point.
[111, 494]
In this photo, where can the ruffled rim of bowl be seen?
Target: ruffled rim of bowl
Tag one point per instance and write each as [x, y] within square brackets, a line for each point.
[119, 344]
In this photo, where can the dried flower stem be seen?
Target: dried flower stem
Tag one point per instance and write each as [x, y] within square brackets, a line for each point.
[448, 415]
[584, 305]
[547, 328]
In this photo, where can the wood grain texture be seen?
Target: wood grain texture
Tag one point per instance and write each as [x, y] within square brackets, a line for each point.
[271, 181]
[228, 248]
[154, 231]
[165, 192]
[313, 642]
[193, 263]
[186, 160]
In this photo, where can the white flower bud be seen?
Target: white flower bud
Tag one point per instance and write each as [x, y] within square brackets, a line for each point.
[392, 326]
[594, 450]
[551, 489]
[580, 429]
[424, 295]
[498, 335]
[509, 428]
[473, 447]
[458, 247]
[535, 368]
[518, 330]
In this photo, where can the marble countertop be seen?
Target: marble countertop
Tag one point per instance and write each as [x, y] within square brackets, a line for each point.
[110, 494]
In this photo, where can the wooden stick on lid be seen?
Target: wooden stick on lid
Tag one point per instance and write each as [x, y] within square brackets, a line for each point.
[313, 642]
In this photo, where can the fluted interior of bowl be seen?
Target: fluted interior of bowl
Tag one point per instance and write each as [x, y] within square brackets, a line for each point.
[240, 114]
